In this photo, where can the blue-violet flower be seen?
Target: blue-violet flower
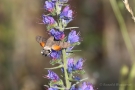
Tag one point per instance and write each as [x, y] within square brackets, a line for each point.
[73, 37]
[51, 88]
[86, 86]
[77, 78]
[58, 35]
[49, 6]
[79, 64]
[55, 54]
[70, 65]
[53, 76]
[48, 20]
[73, 88]
[66, 13]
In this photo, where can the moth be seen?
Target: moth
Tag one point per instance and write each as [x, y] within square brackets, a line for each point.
[51, 44]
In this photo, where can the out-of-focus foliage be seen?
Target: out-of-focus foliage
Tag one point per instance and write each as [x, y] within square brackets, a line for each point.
[22, 65]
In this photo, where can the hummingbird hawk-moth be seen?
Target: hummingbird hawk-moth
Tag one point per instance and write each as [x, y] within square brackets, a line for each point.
[51, 44]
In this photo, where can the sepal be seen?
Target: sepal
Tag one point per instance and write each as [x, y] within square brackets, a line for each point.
[78, 72]
[57, 61]
[77, 43]
[49, 27]
[59, 82]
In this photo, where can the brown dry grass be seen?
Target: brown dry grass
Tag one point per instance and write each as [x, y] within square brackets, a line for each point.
[129, 9]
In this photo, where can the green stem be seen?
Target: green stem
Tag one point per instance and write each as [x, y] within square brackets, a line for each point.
[125, 36]
[123, 29]
[131, 78]
[65, 69]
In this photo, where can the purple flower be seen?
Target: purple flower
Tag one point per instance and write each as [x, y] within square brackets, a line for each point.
[66, 15]
[86, 86]
[48, 20]
[79, 64]
[55, 54]
[52, 89]
[73, 37]
[58, 35]
[70, 65]
[49, 6]
[77, 78]
[53, 76]
[64, 1]
[73, 88]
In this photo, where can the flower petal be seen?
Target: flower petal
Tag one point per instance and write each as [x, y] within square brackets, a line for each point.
[55, 54]
[53, 76]
[73, 37]
[58, 35]
[48, 19]
[49, 6]
[79, 64]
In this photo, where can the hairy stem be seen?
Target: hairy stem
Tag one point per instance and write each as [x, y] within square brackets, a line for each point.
[65, 69]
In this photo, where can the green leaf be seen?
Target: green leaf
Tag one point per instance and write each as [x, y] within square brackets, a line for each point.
[55, 67]
[73, 51]
[71, 27]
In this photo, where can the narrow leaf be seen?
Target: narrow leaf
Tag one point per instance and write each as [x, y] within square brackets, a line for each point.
[55, 67]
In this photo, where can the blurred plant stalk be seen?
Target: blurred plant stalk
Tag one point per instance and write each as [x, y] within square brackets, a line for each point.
[129, 46]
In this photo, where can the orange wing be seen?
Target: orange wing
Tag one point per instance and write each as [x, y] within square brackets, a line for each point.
[41, 40]
[56, 47]
[42, 44]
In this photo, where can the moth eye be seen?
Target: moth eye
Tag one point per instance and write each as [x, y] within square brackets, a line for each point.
[42, 44]
[49, 51]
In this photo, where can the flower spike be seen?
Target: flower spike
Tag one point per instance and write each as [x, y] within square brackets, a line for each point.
[59, 47]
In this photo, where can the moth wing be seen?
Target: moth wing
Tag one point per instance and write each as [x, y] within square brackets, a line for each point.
[50, 41]
[65, 44]
[41, 40]
[56, 47]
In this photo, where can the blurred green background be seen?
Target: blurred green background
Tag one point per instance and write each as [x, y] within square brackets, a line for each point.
[22, 65]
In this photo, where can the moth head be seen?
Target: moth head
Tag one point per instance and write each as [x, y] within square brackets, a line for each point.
[46, 52]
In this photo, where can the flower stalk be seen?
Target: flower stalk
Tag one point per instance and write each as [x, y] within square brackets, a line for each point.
[65, 69]
[59, 47]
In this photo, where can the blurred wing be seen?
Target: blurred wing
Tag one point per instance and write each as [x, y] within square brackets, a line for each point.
[41, 40]
[56, 47]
